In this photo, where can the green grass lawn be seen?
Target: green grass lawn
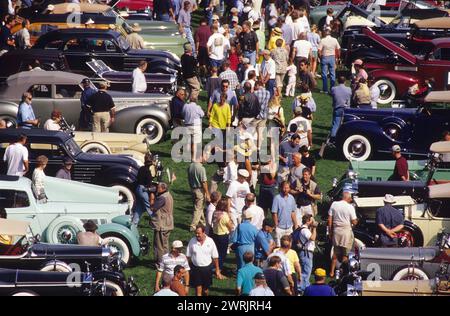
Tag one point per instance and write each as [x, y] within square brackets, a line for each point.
[143, 268]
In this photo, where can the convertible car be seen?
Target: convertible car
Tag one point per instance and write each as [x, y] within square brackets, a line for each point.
[135, 113]
[69, 204]
[371, 133]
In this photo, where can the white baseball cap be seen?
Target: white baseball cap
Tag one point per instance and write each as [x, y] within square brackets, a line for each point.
[177, 244]
[244, 173]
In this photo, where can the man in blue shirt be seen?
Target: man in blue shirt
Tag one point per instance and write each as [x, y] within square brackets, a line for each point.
[319, 288]
[245, 277]
[244, 237]
[341, 95]
[231, 98]
[85, 119]
[264, 243]
[389, 221]
[25, 114]
[283, 212]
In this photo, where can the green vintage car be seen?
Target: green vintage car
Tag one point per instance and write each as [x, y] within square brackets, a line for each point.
[68, 206]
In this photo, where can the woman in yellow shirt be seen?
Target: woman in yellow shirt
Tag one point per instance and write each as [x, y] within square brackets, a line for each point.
[292, 258]
[222, 226]
[274, 36]
[220, 114]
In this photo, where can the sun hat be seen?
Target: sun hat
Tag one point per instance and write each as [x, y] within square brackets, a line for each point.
[245, 61]
[215, 17]
[277, 31]
[298, 110]
[247, 214]
[235, 19]
[389, 198]
[135, 27]
[67, 161]
[244, 173]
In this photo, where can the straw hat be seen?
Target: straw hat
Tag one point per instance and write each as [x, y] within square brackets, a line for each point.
[135, 27]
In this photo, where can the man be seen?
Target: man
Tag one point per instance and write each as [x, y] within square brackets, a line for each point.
[168, 263]
[217, 45]
[25, 114]
[264, 243]
[297, 25]
[16, 157]
[161, 220]
[319, 288]
[166, 291]
[85, 119]
[296, 171]
[287, 32]
[341, 96]
[201, 36]
[287, 149]
[276, 280]
[306, 192]
[390, 221]
[135, 40]
[176, 107]
[329, 52]
[201, 253]
[52, 124]
[303, 241]
[189, 68]
[249, 107]
[256, 26]
[401, 172]
[163, 11]
[249, 43]
[236, 193]
[263, 97]
[231, 98]
[64, 172]
[303, 127]
[305, 76]
[176, 284]
[90, 236]
[246, 275]
[244, 238]
[23, 36]
[291, 258]
[192, 115]
[446, 138]
[261, 288]
[256, 212]
[103, 107]
[184, 23]
[139, 82]
[198, 183]
[230, 75]
[6, 39]
[301, 50]
[341, 217]
[283, 212]
[268, 72]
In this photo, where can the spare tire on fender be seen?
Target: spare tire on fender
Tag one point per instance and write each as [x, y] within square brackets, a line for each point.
[64, 230]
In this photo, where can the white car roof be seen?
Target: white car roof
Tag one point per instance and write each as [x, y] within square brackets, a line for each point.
[378, 201]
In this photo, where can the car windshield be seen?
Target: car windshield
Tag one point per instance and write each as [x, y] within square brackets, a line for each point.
[72, 147]
[123, 44]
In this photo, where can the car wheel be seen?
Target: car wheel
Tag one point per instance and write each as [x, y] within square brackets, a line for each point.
[358, 245]
[25, 293]
[113, 289]
[409, 273]
[64, 230]
[95, 148]
[152, 128]
[406, 238]
[56, 267]
[10, 121]
[125, 195]
[388, 91]
[119, 244]
[357, 147]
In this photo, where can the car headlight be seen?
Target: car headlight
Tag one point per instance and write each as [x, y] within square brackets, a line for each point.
[392, 131]
[353, 263]
[334, 183]
[352, 174]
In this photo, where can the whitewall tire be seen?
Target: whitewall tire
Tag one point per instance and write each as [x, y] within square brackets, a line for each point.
[357, 147]
[410, 273]
[95, 148]
[388, 91]
[151, 127]
[118, 244]
[57, 267]
[126, 195]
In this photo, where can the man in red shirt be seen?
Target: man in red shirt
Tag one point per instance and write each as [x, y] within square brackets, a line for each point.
[401, 172]
[201, 38]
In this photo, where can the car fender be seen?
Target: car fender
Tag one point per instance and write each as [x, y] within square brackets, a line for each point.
[417, 232]
[365, 237]
[123, 231]
[9, 109]
[127, 119]
[357, 126]
[402, 79]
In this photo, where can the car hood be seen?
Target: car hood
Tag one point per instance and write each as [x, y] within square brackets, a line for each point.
[132, 165]
[49, 250]
[404, 254]
[142, 53]
[416, 189]
[376, 114]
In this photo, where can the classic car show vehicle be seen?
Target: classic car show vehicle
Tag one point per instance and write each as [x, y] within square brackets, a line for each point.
[134, 5]
[371, 133]
[69, 204]
[135, 113]
[26, 252]
[82, 45]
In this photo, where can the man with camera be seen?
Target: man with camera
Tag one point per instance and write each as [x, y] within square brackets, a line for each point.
[306, 193]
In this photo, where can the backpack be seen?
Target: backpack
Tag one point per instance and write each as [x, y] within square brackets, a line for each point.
[297, 244]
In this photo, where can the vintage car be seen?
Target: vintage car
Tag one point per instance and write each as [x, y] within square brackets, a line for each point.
[135, 113]
[115, 171]
[28, 253]
[16, 282]
[371, 133]
[133, 5]
[395, 75]
[82, 45]
[69, 204]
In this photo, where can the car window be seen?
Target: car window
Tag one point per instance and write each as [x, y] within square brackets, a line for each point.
[76, 45]
[14, 199]
[68, 91]
[54, 44]
[72, 147]
[41, 90]
[100, 45]
[48, 150]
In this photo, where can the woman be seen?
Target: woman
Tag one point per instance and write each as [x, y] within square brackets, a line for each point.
[314, 39]
[215, 198]
[267, 185]
[38, 178]
[360, 73]
[220, 119]
[281, 57]
[222, 226]
[276, 115]
[144, 184]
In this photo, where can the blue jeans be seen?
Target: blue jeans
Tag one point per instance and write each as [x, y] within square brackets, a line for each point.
[163, 17]
[142, 203]
[306, 262]
[328, 63]
[190, 38]
[337, 118]
[215, 62]
[221, 242]
[251, 56]
[270, 86]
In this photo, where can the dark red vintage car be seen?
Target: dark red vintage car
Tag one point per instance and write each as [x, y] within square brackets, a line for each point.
[395, 75]
[133, 5]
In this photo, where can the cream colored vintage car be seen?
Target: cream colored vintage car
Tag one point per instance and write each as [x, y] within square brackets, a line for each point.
[435, 287]
[113, 143]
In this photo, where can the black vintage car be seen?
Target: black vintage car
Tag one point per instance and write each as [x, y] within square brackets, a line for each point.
[82, 45]
[105, 170]
[15, 282]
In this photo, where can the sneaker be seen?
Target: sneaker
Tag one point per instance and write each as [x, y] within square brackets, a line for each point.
[318, 76]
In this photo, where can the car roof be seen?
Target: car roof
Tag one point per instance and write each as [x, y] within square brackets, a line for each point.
[79, 7]
[63, 18]
[434, 23]
[378, 201]
[438, 97]
[44, 136]
[442, 147]
[439, 191]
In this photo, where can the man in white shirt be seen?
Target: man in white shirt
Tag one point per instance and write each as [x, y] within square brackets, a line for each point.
[139, 81]
[297, 25]
[302, 49]
[256, 212]
[16, 157]
[218, 45]
[201, 253]
[268, 72]
[23, 36]
[166, 291]
[329, 52]
[236, 193]
[341, 217]
[304, 19]
[303, 127]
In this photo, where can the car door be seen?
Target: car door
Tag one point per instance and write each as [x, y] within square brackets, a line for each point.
[77, 53]
[107, 50]
[437, 65]
[428, 126]
[67, 100]
[42, 101]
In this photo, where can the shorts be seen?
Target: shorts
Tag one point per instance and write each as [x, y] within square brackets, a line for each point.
[202, 56]
[340, 252]
[315, 54]
[195, 131]
[201, 276]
